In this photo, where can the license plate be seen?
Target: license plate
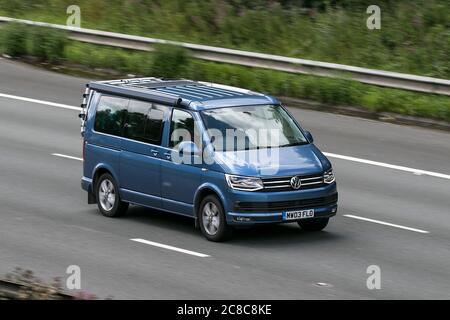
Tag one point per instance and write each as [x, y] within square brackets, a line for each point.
[298, 214]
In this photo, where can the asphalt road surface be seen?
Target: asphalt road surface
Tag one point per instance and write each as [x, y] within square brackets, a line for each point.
[397, 218]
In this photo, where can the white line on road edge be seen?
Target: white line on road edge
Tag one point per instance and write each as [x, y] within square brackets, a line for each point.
[47, 103]
[164, 246]
[387, 165]
[67, 157]
[385, 223]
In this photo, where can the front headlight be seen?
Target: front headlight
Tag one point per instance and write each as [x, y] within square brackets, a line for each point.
[328, 177]
[244, 183]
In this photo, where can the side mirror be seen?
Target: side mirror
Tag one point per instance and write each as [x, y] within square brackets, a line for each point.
[309, 136]
[188, 147]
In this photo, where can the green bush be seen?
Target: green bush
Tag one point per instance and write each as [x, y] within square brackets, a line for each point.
[169, 61]
[174, 62]
[414, 35]
[127, 61]
[326, 90]
[14, 39]
[47, 44]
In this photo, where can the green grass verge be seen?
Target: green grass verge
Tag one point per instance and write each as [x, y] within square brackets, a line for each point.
[414, 35]
[175, 62]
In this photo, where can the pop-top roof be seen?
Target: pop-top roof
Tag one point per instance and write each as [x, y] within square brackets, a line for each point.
[184, 93]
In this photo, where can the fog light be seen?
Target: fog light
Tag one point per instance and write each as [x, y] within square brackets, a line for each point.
[334, 210]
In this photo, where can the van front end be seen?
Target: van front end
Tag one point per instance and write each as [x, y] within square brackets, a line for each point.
[268, 206]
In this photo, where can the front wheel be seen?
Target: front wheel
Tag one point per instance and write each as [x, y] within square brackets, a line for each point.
[212, 220]
[313, 224]
[108, 199]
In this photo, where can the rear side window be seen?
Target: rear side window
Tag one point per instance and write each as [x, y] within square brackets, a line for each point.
[145, 122]
[110, 115]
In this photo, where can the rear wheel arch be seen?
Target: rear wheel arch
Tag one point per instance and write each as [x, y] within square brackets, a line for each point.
[109, 202]
[97, 174]
[99, 171]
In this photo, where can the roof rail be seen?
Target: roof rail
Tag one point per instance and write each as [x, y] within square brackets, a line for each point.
[148, 82]
[231, 88]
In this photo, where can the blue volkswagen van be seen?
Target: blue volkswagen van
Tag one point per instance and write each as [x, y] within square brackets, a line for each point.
[224, 156]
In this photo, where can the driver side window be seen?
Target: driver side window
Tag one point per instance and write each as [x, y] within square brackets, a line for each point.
[183, 128]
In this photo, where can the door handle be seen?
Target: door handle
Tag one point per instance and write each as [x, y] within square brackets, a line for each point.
[154, 152]
[168, 155]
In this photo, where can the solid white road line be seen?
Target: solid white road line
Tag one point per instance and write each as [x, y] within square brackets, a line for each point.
[47, 103]
[67, 157]
[165, 246]
[387, 165]
[385, 223]
[328, 154]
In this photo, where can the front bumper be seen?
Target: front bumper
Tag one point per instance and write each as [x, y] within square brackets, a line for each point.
[268, 207]
[234, 218]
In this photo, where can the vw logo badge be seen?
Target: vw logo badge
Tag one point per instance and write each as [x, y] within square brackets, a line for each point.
[296, 183]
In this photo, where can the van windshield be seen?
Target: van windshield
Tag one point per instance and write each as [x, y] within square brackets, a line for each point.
[252, 127]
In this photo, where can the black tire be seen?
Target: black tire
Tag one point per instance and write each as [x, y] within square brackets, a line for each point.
[118, 208]
[313, 224]
[219, 230]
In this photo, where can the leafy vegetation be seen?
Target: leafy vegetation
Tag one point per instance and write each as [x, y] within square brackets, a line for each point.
[172, 62]
[14, 39]
[44, 43]
[414, 35]
[47, 44]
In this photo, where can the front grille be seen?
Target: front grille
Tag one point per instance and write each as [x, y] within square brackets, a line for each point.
[285, 205]
[284, 183]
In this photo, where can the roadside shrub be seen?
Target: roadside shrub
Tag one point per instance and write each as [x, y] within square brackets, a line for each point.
[44, 43]
[24, 285]
[169, 61]
[370, 101]
[414, 37]
[47, 44]
[14, 39]
[123, 60]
